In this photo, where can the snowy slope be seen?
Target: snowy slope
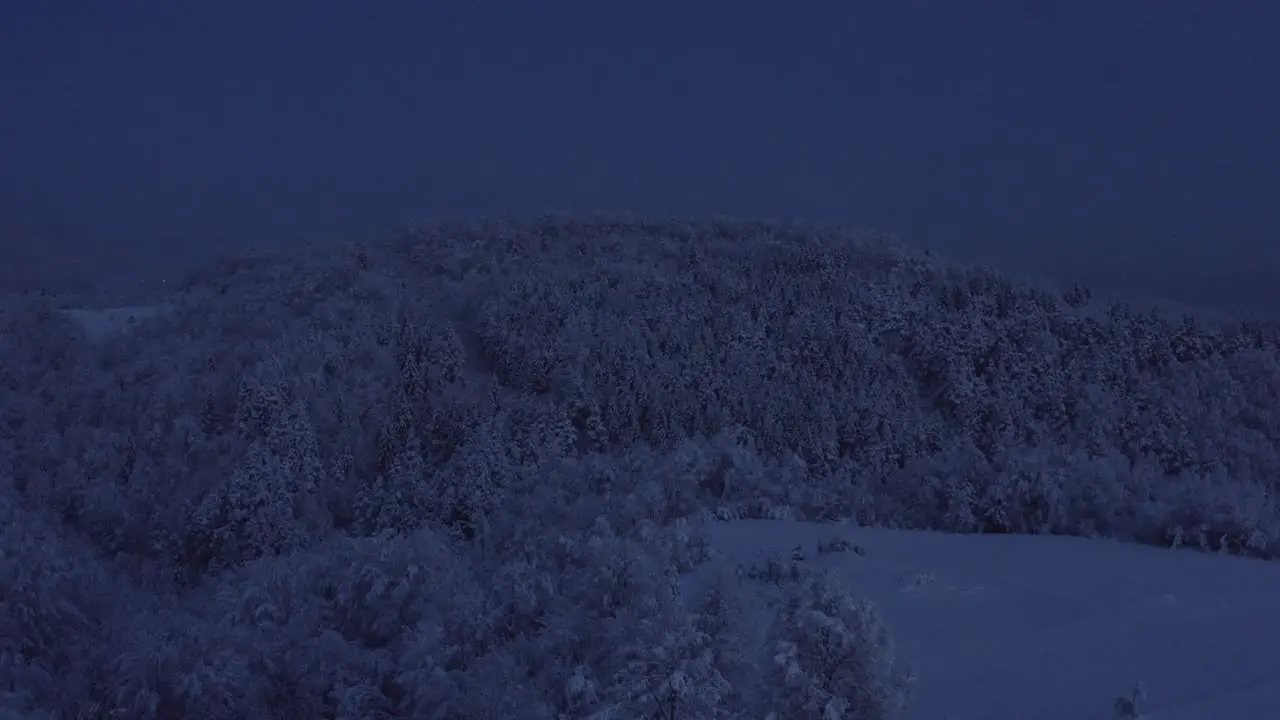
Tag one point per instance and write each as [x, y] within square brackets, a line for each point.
[99, 323]
[1054, 628]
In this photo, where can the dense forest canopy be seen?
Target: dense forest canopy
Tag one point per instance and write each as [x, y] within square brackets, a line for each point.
[460, 471]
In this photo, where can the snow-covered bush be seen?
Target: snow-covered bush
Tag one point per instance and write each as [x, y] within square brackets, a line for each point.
[835, 659]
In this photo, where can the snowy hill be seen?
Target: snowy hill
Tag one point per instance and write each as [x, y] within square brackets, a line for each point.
[527, 469]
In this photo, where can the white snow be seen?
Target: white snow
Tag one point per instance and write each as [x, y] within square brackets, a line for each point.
[1054, 628]
[99, 323]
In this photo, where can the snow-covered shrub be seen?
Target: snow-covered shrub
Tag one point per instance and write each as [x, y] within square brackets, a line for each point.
[775, 569]
[676, 677]
[834, 658]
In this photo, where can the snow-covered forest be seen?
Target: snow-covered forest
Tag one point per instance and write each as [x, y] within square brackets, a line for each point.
[467, 472]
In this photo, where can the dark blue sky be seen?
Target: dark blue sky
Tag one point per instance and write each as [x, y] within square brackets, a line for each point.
[1134, 143]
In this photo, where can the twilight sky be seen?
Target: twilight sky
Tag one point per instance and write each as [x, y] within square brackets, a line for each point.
[1133, 143]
